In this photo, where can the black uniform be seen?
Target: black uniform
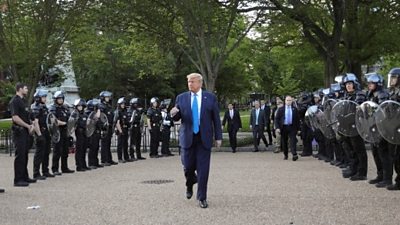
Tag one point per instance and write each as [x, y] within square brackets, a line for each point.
[94, 143]
[61, 148]
[81, 139]
[39, 111]
[137, 123]
[18, 107]
[121, 115]
[167, 123]
[154, 114]
[354, 146]
[106, 156]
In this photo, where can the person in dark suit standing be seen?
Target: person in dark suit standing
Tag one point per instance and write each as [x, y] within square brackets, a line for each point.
[287, 123]
[267, 112]
[257, 124]
[232, 116]
[199, 114]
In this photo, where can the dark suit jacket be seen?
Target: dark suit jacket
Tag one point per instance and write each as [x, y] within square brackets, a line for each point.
[280, 118]
[233, 123]
[261, 119]
[210, 122]
[267, 113]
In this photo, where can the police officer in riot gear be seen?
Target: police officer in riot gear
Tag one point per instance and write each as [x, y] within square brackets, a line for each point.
[154, 120]
[39, 114]
[61, 112]
[121, 128]
[319, 137]
[304, 101]
[394, 94]
[21, 128]
[80, 117]
[354, 146]
[136, 114]
[106, 107]
[94, 140]
[376, 93]
[167, 123]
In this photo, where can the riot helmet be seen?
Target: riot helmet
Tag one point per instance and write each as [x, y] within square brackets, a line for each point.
[154, 101]
[39, 94]
[351, 78]
[393, 77]
[121, 102]
[58, 95]
[80, 102]
[104, 95]
[92, 104]
[374, 78]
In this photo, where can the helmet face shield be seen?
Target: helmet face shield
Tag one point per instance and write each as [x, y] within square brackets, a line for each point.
[393, 80]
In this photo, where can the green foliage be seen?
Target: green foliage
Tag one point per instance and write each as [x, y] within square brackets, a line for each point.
[289, 85]
[7, 91]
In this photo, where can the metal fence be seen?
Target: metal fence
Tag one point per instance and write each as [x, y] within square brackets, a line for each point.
[7, 146]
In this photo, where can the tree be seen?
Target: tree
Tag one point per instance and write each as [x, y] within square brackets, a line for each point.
[200, 29]
[32, 33]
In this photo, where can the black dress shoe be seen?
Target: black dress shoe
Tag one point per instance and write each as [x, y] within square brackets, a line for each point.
[87, 168]
[234, 151]
[305, 154]
[295, 158]
[29, 180]
[2, 190]
[21, 184]
[48, 175]
[106, 164]
[384, 184]
[130, 160]
[113, 163]
[99, 166]
[57, 173]
[68, 171]
[358, 177]
[189, 192]
[376, 180]
[154, 156]
[141, 158]
[393, 187]
[92, 167]
[203, 204]
[285, 158]
[121, 161]
[255, 150]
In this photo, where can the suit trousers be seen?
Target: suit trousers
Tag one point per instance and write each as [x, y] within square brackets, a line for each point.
[288, 135]
[258, 134]
[232, 138]
[197, 158]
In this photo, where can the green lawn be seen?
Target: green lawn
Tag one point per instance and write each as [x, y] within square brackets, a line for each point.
[5, 125]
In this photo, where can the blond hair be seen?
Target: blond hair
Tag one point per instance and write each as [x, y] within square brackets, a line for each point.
[195, 75]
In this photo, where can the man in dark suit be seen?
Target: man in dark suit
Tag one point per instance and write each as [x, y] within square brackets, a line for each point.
[287, 123]
[232, 116]
[257, 124]
[267, 112]
[200, 124]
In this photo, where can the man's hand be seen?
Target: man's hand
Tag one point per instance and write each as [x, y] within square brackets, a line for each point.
[278, 130]
[31, 129]
[218, 143]
[61, 123]
[174, 111]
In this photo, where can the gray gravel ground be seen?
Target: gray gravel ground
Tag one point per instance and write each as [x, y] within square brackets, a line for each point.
[244, 188]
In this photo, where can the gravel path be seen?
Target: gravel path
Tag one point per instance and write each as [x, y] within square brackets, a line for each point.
[244, 188]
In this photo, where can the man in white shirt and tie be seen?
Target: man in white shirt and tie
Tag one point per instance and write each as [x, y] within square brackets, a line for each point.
[257, 124]
[232, 117]
[287, 123]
